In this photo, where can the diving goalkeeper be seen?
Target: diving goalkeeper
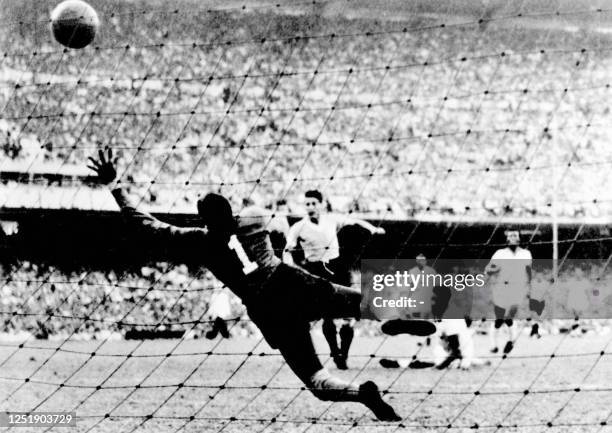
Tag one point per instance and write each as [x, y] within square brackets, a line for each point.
[280, 299]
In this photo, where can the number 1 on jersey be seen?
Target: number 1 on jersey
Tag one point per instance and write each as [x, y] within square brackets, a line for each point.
[247, 265]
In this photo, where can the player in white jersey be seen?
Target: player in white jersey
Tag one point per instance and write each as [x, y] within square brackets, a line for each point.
[220, 310]
[510, 282]
[317, 235]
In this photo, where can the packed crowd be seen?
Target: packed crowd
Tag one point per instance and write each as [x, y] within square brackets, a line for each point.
[52, 302]
[449, 120]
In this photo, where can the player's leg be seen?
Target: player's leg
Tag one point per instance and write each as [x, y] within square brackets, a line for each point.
[212, 334]
[342, 276]
[330, 300]
[512, 328]
[535, 328]
[347, 334]
[510, 341]
[297, 348]
[330, 334]
[452, 351]
[575, 328]
[536, 307]
[500, 314]
[223, 330]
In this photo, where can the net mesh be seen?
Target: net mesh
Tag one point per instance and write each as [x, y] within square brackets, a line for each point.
[460, 112]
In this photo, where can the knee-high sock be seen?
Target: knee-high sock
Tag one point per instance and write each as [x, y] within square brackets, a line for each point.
[222, 327]
[329, 331]
[346, 338]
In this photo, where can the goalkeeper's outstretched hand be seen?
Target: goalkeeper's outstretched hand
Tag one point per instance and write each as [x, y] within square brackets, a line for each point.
[104, 166]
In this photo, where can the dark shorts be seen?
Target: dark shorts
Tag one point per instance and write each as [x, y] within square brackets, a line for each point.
[292, 298]
[500, 313]
[341, 270]
[335, 271]
[319, 269]
[279, 241]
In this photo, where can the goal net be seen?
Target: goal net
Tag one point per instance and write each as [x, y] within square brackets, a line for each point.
[443, 122]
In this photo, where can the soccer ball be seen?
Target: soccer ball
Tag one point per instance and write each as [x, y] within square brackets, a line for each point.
[74, 23]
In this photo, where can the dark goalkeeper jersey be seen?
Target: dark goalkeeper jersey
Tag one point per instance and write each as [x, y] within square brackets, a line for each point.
[243, 263]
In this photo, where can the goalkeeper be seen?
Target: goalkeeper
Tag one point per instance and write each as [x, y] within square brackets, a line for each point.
[281, 299]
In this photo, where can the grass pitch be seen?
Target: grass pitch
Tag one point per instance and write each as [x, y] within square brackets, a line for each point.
[557, 383]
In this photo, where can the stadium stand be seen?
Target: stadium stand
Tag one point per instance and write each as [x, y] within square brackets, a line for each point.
[233, 111]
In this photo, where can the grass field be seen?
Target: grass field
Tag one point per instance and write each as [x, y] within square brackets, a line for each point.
[567, 382]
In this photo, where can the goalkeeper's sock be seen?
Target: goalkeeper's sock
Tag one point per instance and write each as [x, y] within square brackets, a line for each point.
[327, 387]
[331, 388]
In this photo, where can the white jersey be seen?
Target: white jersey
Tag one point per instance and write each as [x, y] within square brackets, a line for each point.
[510, 283]
[319, 241]
[220, 304]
